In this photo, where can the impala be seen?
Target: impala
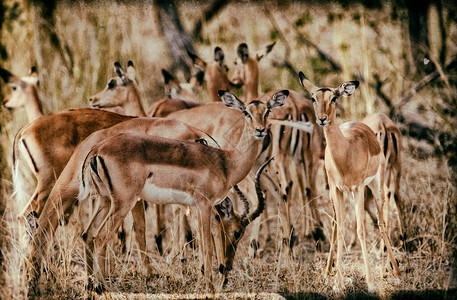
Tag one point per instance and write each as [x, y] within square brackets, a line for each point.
[178, 90]
[65, 191]
[215, 73]
[247, 69]
[46, 144]
[390, 140]
[353, 160]
[24, 93]
[159, 169]
[123, 92]
[305, 149]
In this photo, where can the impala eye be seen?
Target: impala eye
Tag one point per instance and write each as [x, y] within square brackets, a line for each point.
[333, 99]
[313, 100]
[14, 88]
[111, 84]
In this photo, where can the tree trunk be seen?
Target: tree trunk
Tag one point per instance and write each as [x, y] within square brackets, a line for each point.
[3, 56]
[47, 43]
[177, 40]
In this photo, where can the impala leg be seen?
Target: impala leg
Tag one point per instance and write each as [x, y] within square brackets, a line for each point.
[58, 203]
[312, 166]
[334, 232]
[205, 212]
[377, 187]
[160, 226]
[339, 211]
[88, 236]
[177, 234]
[104, 230]
[399, 202]
[139, 223]
[361, 233]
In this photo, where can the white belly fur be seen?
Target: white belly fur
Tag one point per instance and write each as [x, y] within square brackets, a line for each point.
[155, 194]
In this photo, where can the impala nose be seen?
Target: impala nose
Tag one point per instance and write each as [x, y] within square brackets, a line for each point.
[322, 120]
[260, 130]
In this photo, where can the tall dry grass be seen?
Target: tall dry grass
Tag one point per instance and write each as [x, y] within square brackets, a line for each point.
[366, 42]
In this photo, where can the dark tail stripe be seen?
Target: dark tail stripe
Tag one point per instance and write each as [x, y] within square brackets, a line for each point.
[105, 170]
[30, 155]
[394, 140]
[386, 142]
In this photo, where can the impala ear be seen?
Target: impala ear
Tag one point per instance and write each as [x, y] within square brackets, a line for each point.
[225, 208]
[120, 72]
[261, 54]
[278, 99]
[7, 76]
[219, 56]
[171, 84]
[131, 73]
[308, 85]
[348, 88]
[199, 74]
[167, 76]
[231, 100]
[197, 60]
[243, 52]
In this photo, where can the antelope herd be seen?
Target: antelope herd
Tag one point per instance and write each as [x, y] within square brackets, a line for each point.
[181, 151]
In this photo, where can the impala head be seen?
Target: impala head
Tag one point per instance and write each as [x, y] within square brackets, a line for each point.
[215, 72]
[233, 225]
[324, 99]
[256, 111]
[22, 88]
[177, 90]
[247, 66]
[118, 88]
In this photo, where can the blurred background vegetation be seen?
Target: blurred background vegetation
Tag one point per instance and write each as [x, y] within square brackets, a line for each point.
[403, 52]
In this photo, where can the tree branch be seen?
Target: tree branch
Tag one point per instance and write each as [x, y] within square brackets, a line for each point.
[420, 85]
[208, 14]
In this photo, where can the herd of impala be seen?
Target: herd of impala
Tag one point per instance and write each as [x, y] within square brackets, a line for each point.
[202, 155]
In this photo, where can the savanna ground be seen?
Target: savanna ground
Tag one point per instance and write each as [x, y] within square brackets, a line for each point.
[364, 41]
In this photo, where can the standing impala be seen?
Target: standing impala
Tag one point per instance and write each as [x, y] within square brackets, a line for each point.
[390, 140]
[353, 160]
[65, 191]
[46, 144]
[305, 149]
[158, 169]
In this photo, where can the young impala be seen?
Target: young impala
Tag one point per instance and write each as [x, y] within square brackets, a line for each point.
[353, 160]
[158, 169]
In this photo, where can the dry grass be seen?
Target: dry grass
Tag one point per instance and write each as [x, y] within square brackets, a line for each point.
[364, 41]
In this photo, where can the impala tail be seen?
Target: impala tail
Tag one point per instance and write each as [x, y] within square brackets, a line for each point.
[19, 181]
[94, 175]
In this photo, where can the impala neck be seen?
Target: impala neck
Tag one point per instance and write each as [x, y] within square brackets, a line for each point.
[252, 80]
[242, 158]
[337, 143]
[33, 109]
[133, 106]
